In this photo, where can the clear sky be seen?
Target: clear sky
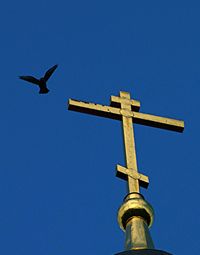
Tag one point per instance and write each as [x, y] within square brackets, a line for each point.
[58, 190]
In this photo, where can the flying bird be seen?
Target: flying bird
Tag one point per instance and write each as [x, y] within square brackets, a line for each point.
[42, 82]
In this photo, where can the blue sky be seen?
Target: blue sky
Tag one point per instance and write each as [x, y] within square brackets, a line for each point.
[58, 190]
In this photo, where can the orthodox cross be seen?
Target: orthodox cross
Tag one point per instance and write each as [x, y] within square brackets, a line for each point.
[127, 110]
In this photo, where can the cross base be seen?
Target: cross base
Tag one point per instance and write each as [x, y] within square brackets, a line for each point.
[144, 252]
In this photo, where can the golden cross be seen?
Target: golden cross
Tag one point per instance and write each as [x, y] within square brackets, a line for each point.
[127, 110]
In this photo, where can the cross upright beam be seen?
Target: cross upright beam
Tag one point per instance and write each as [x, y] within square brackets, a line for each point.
[126, 110]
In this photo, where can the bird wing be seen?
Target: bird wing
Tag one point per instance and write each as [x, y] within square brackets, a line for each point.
[49, 72]
[30, 79]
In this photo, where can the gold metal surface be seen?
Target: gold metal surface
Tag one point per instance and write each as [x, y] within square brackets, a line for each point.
[123, 173]
[137, 235]
[116, 101]
[135, 205]
[126, 109]
[135, 217]
[116, 113]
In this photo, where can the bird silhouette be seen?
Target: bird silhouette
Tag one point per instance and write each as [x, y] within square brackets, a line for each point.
[42, 82]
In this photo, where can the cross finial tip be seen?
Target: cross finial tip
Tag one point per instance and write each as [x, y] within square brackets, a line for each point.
[125, 94]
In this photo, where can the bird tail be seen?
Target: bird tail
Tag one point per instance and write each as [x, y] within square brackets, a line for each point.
[43, 90]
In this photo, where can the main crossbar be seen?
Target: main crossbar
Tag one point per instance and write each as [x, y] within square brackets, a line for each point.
[116, 113]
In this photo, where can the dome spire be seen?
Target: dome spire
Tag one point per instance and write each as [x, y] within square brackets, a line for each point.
[135, 216]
